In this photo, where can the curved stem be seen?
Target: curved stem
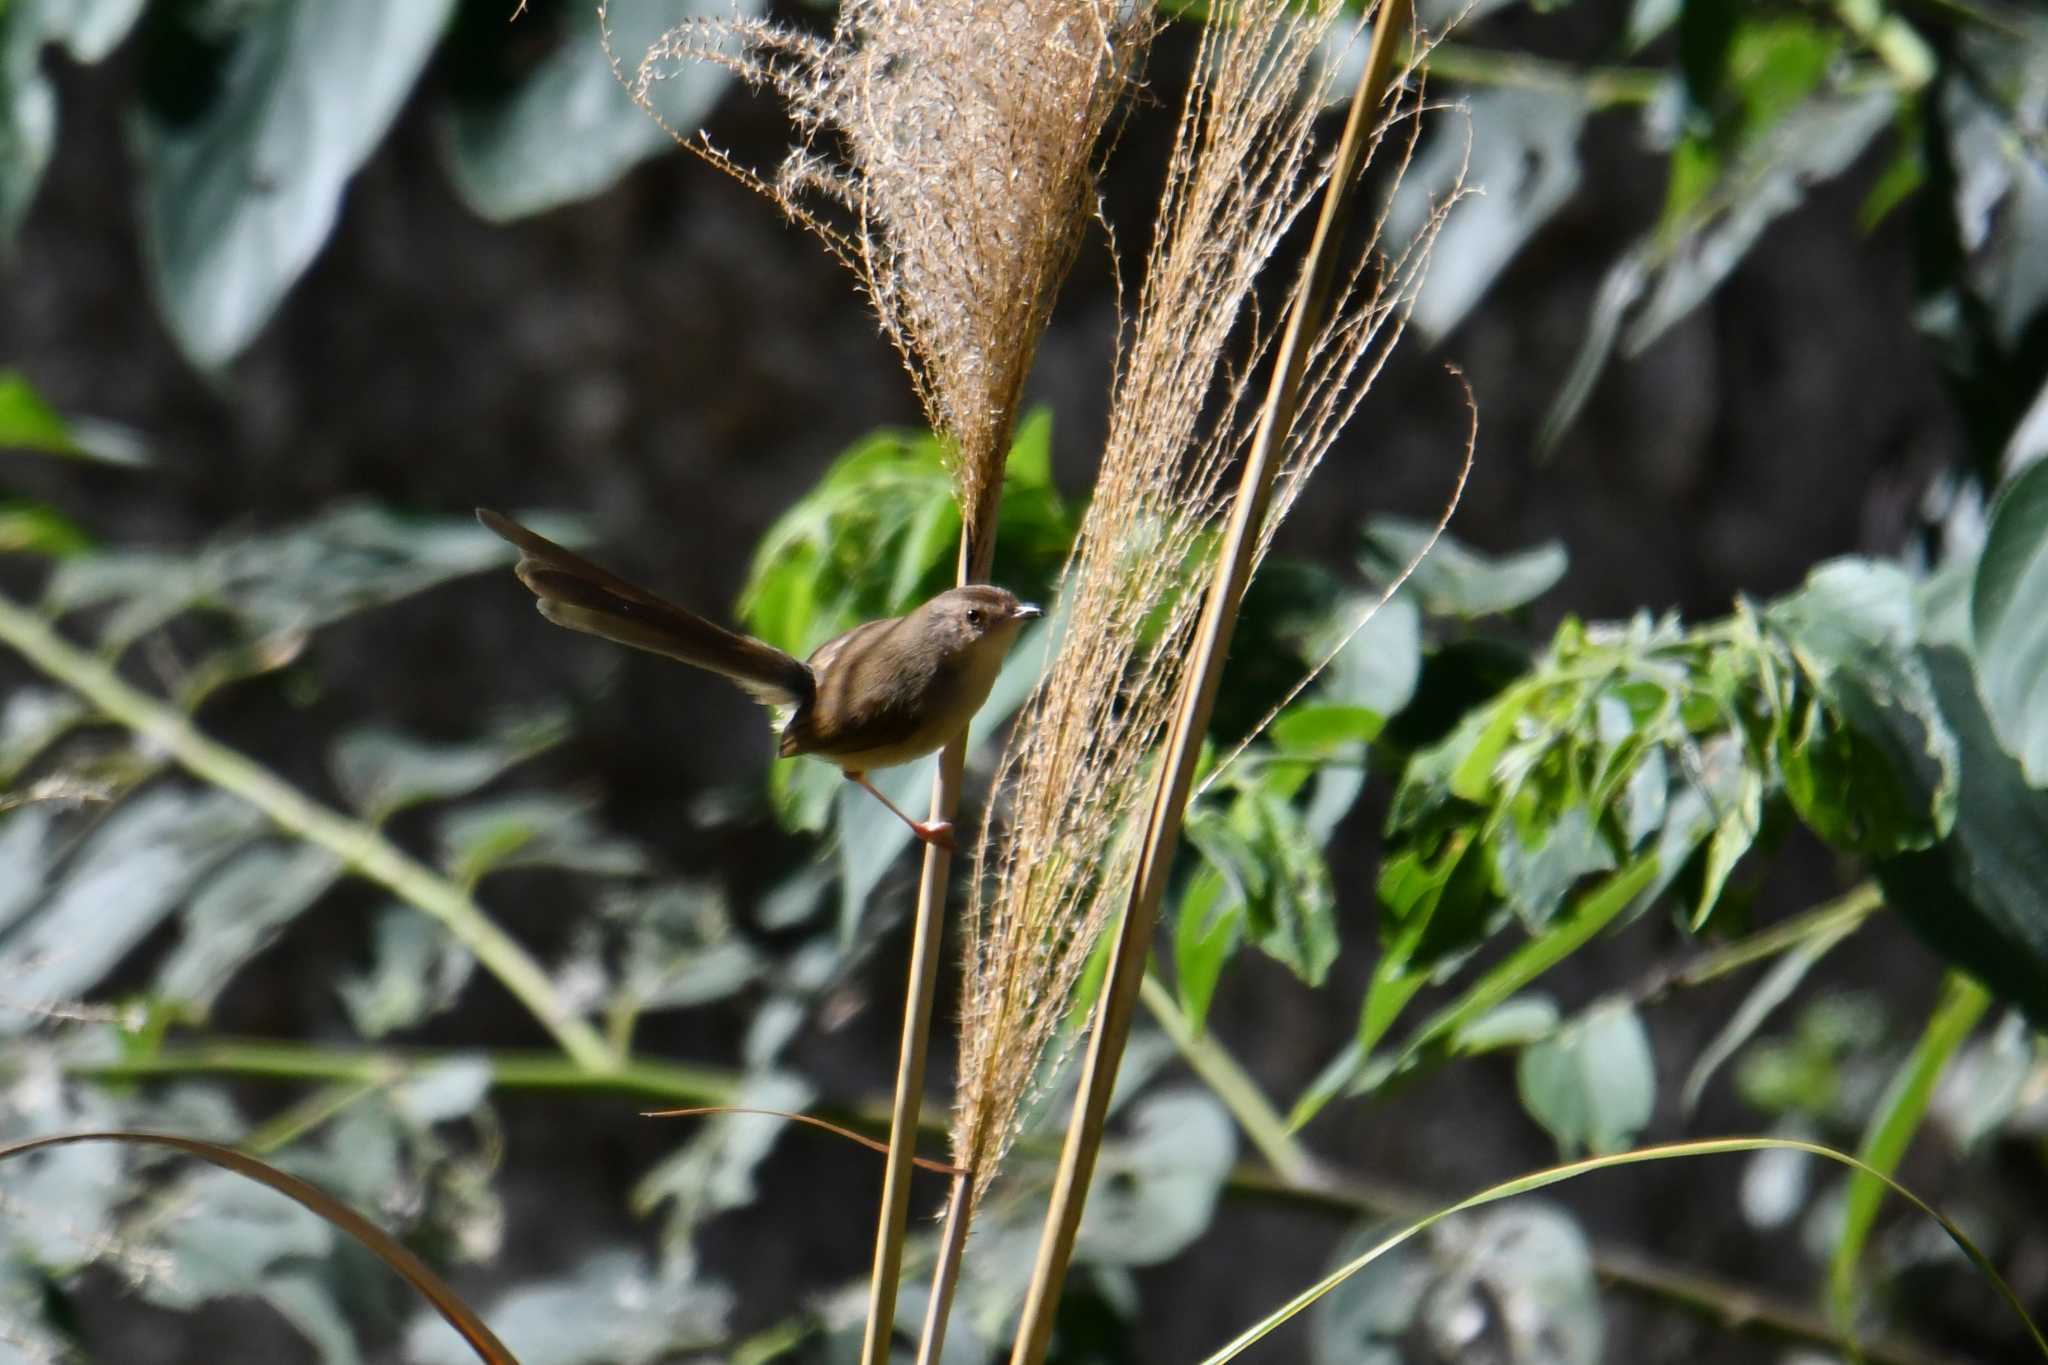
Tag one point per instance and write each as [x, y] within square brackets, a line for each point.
[359, 847]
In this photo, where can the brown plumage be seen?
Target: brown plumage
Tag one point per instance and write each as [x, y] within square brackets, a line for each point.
[883, 693]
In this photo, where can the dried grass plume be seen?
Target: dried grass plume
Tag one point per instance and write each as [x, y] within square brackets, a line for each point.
[945, 152]
[1246, 163]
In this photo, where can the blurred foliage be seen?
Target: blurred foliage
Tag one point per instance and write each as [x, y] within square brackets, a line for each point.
[1538, 798]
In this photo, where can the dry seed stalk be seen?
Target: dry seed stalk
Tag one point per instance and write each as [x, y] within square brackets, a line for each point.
[946, 154]
[1075, 777]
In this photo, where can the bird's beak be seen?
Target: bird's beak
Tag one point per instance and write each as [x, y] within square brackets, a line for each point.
[1028, 611]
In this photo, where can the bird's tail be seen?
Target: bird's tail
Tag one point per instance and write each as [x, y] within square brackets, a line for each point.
[576, 593]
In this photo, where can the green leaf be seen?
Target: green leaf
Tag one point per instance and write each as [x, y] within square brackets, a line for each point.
[1157, 1187]
[237, 913]
[1593, 1084]
[1892, 1127]
[129, 873]
[1274, 878]
[381, 771]
[1520, 155]
[1454, 579]
[2009, 621]
[31, 528]
[1871, 765]
[29, 423]
[608, 1310]
[28, 103]
[1976, 896]
[569, 129]
[1207, 928]
[1536, 877]
[1529, 1265]
[239, 196]
[540, 829]
[416, 972]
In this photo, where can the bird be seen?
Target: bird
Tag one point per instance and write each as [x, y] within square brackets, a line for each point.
[881, 694]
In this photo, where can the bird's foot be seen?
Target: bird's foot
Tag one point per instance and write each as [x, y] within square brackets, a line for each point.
[936, 832]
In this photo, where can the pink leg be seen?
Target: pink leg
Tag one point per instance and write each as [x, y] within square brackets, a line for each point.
[938, 832]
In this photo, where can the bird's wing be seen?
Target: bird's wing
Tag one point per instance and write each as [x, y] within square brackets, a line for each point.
[867, 704]
[576, 593]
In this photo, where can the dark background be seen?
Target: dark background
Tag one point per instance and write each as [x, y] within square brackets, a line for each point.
[675, 364]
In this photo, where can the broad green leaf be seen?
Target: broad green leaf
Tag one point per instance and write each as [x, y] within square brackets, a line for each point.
[1521, 1021]
[26, 421]
[1593, 1084]
[240, 196]
[539, 829]
[130, 872]
[1454, 579]
[1740, 823]
[381, 771]
[31, 528]
[608, 1310]
[236, 914]
[416, 972]
[1529, 1265]
[89, 29]
[569, 128]
[2009, 621]
[1535, 878]
[1157, 1187]
[1520, 154]
[1871, 764]
[1976, 896]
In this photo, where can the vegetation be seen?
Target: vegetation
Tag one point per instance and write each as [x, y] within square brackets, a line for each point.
[1521, 802]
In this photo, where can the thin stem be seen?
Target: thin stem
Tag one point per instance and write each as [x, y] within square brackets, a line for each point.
[1837, 916]
[1198, 699]
[931, 1343]
[357, 845]
[893, 1222]
[1321, 1189]
[1232, 1084]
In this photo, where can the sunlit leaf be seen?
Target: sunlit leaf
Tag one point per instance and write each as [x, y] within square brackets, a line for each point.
[1976, 896]
[1593, 1084]
[1521, 154]
[609, 1310]
[239, 197]
[569, 129]
[537, 829]
[116, 888]
[381, 771]
[1454, 579]
[2009, 621]
[416, 971]
[1157, 1186]
[1871, 764]
[237, 912]
[1529, 1265]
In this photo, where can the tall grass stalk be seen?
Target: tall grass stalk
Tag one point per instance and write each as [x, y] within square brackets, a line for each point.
[1295, 420]
[945, 153]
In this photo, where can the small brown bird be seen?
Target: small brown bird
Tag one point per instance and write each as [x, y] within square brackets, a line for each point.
[883, 693]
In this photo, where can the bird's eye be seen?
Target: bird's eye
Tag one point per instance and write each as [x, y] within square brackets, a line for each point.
[974, 616]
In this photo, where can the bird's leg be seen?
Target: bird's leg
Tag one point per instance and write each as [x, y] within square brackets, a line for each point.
[938, 832]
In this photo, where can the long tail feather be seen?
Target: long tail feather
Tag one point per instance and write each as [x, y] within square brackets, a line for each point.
[576, 593]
